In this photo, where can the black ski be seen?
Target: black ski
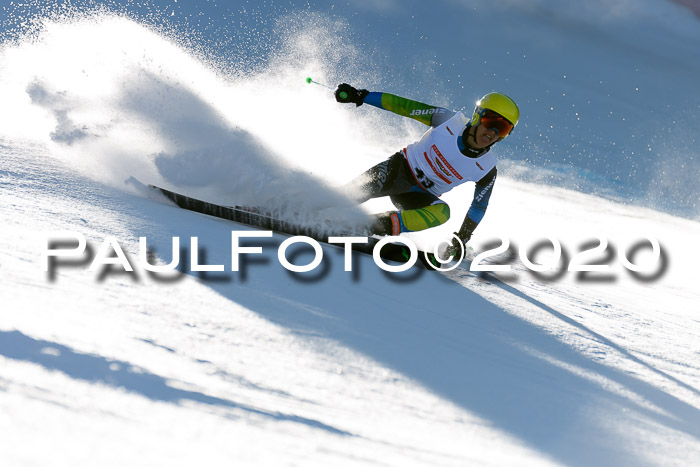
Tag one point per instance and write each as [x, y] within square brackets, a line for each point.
[244, 215]
[262, 220]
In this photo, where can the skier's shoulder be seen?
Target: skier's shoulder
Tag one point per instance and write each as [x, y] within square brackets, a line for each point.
[444, 115]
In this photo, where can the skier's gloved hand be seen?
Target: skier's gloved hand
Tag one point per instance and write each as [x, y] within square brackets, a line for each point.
[346, 94]
[458, 246]
[464, 235]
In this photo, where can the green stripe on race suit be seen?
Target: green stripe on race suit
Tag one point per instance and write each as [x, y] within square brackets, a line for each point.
[424, 218]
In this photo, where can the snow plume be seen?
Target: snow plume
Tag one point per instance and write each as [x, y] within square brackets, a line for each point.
[113, 98]
[674, 185]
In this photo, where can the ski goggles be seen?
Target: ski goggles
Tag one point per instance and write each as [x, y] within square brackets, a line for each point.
[496, 122]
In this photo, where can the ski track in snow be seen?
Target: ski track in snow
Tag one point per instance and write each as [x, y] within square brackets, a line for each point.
[267, 367]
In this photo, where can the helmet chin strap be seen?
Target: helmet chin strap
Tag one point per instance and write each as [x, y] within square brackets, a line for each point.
[466, 148]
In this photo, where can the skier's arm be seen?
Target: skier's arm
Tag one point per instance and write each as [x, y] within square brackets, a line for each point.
[425, 113]
[482, 194]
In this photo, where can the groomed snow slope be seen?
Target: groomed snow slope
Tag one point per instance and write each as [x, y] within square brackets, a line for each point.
[336, 368]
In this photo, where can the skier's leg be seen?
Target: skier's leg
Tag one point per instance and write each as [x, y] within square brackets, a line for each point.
[413, 220]
[386, 178]
[418, 210]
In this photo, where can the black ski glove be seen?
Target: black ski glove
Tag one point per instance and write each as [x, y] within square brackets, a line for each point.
[464, 234]
[457, 246]
[346, 94]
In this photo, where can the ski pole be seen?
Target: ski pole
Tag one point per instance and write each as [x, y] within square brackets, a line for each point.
[343, 95]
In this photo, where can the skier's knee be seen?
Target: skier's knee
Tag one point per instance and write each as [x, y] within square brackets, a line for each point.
[413, 220]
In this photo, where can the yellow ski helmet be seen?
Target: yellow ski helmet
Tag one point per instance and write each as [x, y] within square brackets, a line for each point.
[493, 109]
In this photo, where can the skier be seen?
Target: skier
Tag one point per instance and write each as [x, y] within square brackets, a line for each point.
[453, 151]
